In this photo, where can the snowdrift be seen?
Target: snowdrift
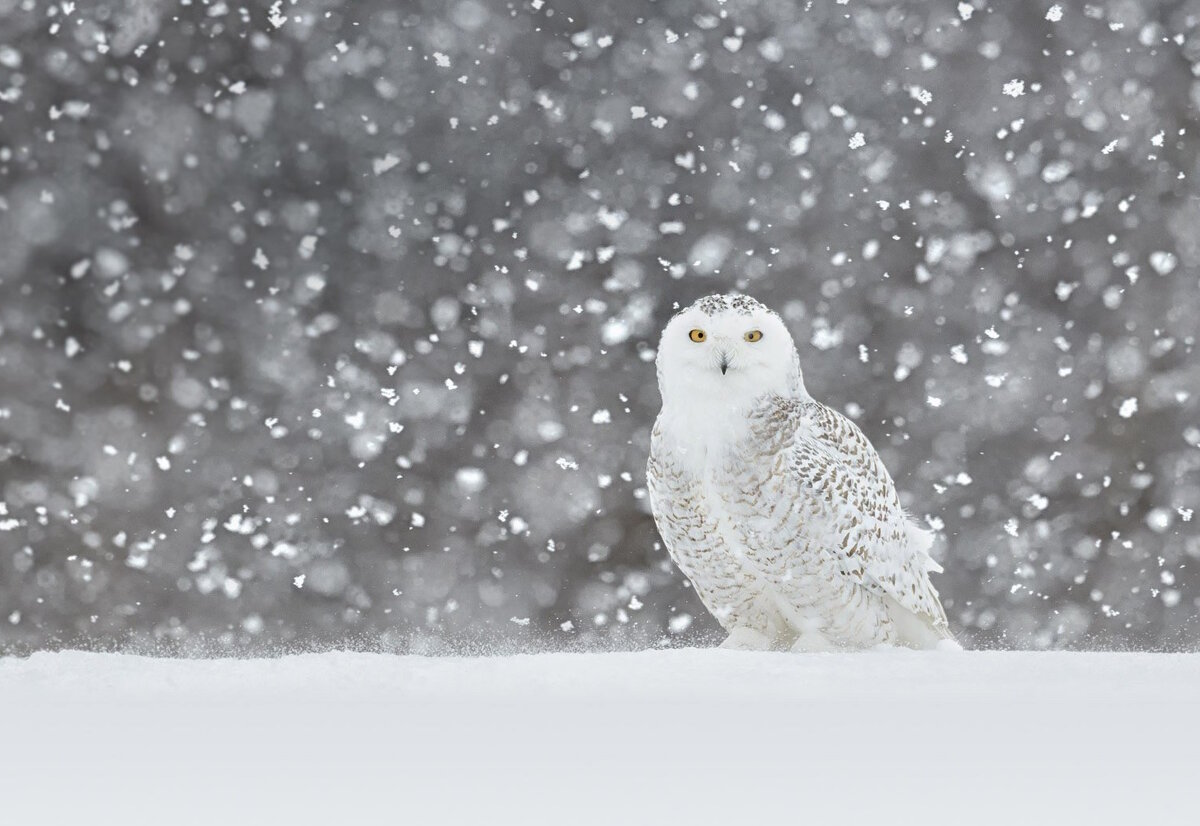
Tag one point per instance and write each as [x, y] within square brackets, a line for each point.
[683, 736]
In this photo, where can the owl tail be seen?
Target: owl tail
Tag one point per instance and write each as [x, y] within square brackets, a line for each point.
[920, 631]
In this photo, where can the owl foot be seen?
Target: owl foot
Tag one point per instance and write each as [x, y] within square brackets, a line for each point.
[747, 639]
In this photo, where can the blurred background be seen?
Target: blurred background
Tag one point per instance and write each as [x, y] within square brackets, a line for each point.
[333, 323]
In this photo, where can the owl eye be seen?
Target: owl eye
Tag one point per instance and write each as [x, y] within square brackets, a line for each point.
[753, 336]
[697, 335]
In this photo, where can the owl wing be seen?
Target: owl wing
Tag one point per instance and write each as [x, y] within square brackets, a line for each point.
[877, 543]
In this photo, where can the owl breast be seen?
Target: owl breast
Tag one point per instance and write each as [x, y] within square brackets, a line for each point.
[753, 543]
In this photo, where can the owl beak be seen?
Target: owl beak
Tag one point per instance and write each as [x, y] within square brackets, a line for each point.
[724, 363]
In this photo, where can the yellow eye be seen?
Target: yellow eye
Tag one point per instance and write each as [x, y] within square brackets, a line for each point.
[697, 335]
[753, 336]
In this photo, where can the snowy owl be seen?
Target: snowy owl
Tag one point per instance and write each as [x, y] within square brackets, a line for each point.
[777, 508]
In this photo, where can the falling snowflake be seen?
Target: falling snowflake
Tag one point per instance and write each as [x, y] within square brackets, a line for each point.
[1014, 88]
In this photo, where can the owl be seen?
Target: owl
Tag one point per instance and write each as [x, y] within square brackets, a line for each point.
[777, 508]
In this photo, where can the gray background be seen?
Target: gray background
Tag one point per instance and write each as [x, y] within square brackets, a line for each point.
[369, 292]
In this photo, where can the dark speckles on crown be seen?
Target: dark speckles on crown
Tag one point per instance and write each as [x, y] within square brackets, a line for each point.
[740, 304]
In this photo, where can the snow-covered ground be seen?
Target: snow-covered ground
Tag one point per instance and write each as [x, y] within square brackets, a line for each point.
[688, 736]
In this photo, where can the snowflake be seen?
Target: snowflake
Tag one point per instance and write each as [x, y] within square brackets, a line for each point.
[381, 165]
[1014, 88]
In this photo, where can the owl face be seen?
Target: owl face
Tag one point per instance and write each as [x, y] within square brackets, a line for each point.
[731, 348]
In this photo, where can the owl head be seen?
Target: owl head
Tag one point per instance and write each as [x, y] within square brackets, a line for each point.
[727, 348]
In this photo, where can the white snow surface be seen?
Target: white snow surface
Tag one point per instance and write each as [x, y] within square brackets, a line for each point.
[662, 737]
